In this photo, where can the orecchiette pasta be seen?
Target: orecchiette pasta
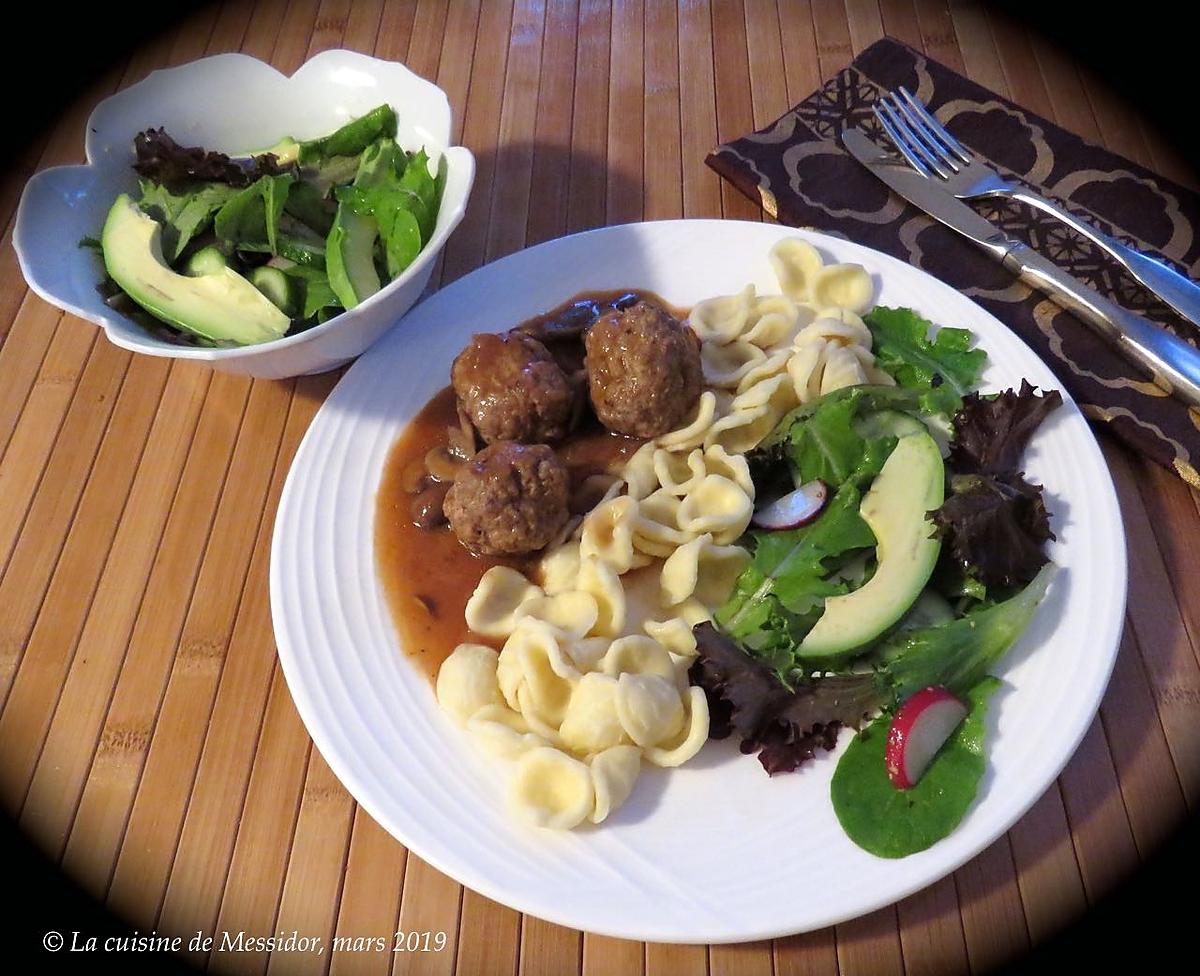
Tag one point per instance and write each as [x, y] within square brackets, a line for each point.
[649, 708]
[724, 366]
[717, 321]
[591, 724]
[692, 736]
[717, 506]
[637, 654]
[492, 608]
[552, 789]
[675, 634]
[608, 533]
[685, 438]
[466, 681]
[614, 771]
[702, 570]
[572, 612]
[503, 733]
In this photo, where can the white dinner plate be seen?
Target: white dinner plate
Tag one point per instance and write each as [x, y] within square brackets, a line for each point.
[714, 851]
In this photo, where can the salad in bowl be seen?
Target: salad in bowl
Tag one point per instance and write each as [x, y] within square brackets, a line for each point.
[263, 224]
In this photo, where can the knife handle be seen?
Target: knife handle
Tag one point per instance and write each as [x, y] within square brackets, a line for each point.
[1182, 294]
[1173, 364]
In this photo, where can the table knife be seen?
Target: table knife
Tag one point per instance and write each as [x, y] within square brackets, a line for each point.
[1173, 364]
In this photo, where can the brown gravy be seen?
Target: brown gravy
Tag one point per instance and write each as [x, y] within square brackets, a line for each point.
[427, 574]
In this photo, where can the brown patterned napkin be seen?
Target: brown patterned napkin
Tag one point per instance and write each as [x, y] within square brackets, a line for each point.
[798, 170]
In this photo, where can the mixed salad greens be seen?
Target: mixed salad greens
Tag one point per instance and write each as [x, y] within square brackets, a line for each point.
[233, 251]
[894, 597]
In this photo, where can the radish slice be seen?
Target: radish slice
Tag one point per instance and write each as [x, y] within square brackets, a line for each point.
[795, 508]
[921, 727]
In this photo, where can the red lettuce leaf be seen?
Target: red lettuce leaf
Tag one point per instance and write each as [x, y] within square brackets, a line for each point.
[991, 433]
[994, 522]
[784, 727]
[162, 159]
[995, 527]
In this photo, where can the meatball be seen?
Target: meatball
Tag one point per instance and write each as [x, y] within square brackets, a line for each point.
[509, 499]
[512, 389]
[644, 371]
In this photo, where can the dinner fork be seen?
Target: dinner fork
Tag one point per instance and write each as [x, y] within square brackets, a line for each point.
[932, 151]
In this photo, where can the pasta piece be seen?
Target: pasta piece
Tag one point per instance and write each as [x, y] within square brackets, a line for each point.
[636, 654]
[721, 320]
[693, 612]
[685, 438]
[536, 721]
[702, 570]
[677, 474]
[551, 789]
[755, 414]
[600, 580]
[656, 531]
[559, 569]
[591, 724]
[805, 369]
[844, 285]
[508, 674]
[775, 321]
[573, 613]
[732, 466]
[608, 533]
[717, 506]
[614, 771]
[725, 365]
[796, 264]
[674, 633]
[837, 323]
[639, 472]
[842, 368]
[466, 681]
[692, 737]
[502, 733]
[773, 365]
[649, 708]
[535, 675]
[492, 608]
[587, 653]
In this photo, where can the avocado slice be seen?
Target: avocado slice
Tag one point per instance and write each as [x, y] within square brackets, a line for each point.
[222, 306]
[911, 483]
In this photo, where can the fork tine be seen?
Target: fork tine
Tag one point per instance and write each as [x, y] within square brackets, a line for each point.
[936, 127]
[899, 142]
[922, 131]
[907, 140]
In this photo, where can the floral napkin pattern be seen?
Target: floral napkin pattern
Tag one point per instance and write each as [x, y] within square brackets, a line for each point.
[797, 168]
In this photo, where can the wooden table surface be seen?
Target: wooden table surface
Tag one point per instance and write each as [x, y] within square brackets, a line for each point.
[147, 739]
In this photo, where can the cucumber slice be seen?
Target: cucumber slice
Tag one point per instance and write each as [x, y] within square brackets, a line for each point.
[206, 261]
[278, 287]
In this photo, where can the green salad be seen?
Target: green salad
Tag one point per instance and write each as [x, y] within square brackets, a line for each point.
[900, 555]
[228, 251]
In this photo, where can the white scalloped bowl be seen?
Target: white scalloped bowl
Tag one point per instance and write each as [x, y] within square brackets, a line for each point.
[234, 103]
